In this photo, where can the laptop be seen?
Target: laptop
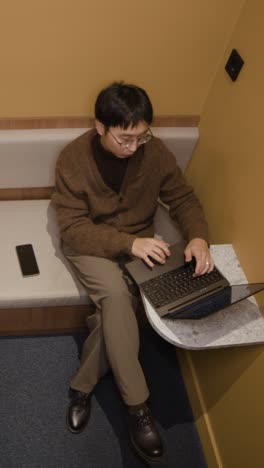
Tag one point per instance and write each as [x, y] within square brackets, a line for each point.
[175, 293]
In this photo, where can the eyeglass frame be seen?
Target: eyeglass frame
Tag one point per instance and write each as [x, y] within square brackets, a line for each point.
[124, 145]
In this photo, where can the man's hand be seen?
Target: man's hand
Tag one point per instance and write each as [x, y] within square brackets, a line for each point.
[146, 247]
[198, 248]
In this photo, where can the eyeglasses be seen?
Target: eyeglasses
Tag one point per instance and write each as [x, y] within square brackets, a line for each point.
[129, 141]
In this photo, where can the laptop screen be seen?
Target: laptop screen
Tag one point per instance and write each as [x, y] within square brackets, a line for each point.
[227, 297]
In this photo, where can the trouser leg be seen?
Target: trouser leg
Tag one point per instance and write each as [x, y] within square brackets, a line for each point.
[94, 363]
[115, 337]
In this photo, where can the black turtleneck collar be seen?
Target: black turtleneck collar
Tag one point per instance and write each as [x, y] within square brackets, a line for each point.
[112, 169]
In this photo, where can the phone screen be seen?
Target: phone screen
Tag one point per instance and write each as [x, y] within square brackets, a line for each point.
[27, 260]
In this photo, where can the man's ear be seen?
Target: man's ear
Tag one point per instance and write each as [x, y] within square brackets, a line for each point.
[100, 128]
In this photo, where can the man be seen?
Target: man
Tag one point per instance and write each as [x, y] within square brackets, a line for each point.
[107, 185]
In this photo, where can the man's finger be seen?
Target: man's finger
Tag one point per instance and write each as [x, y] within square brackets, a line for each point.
[160, 244]
[148, 261]
[188, 255]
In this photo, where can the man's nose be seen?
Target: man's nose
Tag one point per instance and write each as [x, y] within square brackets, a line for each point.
[133, 145]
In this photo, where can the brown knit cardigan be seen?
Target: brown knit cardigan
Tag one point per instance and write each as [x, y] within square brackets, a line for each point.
[94, 220]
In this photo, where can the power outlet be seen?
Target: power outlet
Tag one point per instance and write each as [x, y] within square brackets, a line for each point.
[234, 65]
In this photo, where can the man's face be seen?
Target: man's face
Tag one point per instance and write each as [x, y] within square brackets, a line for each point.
[122, 142]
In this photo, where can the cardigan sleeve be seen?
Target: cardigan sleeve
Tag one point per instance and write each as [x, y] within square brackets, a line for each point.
[184, 206]
[77, 229]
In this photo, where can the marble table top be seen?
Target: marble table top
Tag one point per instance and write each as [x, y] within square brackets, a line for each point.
[238, 325]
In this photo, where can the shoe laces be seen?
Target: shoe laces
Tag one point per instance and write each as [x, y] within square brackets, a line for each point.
[80, 396]
[143, 421]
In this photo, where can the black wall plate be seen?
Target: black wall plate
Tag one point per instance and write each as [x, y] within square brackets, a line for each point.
[234, 65]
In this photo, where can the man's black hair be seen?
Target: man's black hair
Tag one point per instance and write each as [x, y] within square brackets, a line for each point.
[123, 105]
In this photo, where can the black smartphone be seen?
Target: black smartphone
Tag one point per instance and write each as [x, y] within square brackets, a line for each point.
[27, 260]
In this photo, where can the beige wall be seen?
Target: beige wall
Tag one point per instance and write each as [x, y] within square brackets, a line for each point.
[227, 172]
[57, 54]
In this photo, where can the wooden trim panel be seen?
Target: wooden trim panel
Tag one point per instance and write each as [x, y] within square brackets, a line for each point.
[41, 320]
[26, 193]
[47, 320]
[176, 121]
[22, 123]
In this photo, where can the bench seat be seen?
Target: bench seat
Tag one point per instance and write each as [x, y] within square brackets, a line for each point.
[33, 222]
[54, 300]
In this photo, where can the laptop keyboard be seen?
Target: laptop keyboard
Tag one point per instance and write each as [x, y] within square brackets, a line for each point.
[176, 284]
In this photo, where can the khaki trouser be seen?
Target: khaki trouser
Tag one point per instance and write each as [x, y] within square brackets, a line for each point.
[114, 337]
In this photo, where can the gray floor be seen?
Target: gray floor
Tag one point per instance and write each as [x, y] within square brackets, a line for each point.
[35, 372]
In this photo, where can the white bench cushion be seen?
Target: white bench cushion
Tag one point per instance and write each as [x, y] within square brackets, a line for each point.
[33, 222]
[28, 157]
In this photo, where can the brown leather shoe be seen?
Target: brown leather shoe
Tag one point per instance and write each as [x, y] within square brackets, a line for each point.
[78, 412]
[144, 435]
